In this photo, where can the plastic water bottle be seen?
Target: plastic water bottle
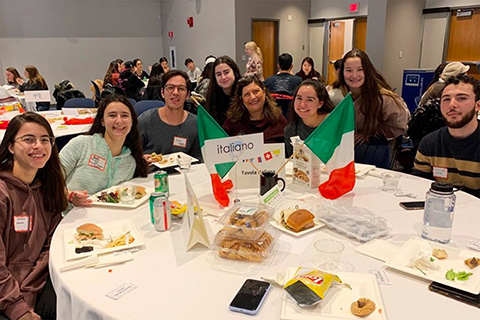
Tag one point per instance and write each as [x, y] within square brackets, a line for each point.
[438, 215]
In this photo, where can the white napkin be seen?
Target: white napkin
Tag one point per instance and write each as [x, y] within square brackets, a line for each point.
[378, 249]
[93, 259]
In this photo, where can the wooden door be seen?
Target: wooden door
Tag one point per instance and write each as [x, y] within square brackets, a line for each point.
[335, 46]
[265, 35]
[464, 40]
[360, 34]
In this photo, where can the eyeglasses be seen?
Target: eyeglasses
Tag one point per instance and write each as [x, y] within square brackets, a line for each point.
[32, 140]
[171, 88]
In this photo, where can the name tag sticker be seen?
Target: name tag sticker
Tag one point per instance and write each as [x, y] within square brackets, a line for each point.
[97, 162]
[22, 223]
[121, 291]
[380, 275]
[440, 172]
[180, 142]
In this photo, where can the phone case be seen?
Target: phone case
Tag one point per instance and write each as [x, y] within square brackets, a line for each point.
[454, 293]
[249, 311]
[415, 205]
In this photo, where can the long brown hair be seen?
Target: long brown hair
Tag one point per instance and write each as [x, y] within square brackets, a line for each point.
[51, 175]
[215, 92]
[373, 87]
[34, 76]
[238, 112]
[15, 73]
[132, 141]
[112, 68]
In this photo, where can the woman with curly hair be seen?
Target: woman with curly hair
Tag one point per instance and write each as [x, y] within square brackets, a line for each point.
[380, 114]
[253, 110]
[255, 60]
[109, 154]
[223, 82]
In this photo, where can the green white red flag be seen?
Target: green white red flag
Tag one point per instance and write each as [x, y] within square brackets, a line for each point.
[333, 142]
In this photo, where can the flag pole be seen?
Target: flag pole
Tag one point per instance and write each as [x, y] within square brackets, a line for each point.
[255, 167]
[290, 158]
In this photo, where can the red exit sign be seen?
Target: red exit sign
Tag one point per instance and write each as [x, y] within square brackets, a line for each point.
[354, 7]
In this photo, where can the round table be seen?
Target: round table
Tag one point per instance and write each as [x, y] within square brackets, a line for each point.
[175, 284]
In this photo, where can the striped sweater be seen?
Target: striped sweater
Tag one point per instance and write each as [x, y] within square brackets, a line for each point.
[447, 159]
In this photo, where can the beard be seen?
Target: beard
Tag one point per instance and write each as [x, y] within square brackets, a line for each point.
[462, 122]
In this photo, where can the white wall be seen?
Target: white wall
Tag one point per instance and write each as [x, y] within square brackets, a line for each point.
[317, 39]
[77, 39]
[451, 3]
[402, 40]
[336, 8]
[435, 27]
[213, 30]
[293, 35]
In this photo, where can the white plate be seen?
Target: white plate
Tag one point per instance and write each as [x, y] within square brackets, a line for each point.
[338, 300]
[280, 227]
[454, 261]
[172, 159]
[293, 203]
[136, 203]
[113, 229]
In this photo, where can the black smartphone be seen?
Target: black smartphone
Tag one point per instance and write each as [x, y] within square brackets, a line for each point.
[454, 293]
[250, 297]
[413, 205]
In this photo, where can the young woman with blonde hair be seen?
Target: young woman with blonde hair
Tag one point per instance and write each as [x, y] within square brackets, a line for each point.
[255, 60]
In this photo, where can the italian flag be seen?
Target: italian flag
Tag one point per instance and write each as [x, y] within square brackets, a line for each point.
[333, 143]
[208, 128]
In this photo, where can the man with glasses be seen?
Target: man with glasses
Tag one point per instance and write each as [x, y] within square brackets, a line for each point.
[170, 128]
[452, 154]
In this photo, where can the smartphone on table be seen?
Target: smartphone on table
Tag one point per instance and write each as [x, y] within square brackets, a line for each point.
[457, 294]
[250, 297]
[413, 205]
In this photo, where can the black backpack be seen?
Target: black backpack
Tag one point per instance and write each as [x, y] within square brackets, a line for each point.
[64, 91]
[426, 118]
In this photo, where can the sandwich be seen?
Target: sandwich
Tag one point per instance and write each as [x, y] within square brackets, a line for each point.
[89, 231]
[297, 220]
[140, 192]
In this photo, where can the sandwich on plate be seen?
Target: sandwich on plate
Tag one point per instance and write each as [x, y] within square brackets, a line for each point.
[297, 220]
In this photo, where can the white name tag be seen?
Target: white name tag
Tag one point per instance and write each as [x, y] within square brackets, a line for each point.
[97, 162]
[180, 142]
[440, 172]
[22, 223]
[121, 291]
[380, 275]
[475, 245]
[273, 197]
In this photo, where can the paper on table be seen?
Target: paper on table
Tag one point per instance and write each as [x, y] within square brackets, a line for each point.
[93, 259]
[109, 260]
[378, 249]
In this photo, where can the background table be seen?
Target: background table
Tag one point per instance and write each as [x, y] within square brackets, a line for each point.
[174, 284]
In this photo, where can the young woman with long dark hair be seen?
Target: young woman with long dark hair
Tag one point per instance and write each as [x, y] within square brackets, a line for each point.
[32, 197]
[109, 154]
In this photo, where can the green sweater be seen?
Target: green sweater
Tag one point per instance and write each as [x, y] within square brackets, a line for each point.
[89, 164]
[447, 159]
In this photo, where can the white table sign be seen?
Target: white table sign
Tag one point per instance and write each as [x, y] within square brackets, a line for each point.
[244, 175]
[193, 227]
[234, 148]
[37, 96]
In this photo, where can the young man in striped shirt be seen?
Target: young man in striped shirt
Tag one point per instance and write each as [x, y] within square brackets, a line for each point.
[452, 154]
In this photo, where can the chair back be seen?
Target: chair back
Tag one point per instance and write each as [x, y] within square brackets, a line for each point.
[144, 105]
[132, 101]
[79, 103]
[96, 88]
[283, 101]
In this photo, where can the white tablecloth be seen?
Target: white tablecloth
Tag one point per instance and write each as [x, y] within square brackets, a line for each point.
[60, 130]
[174, 284]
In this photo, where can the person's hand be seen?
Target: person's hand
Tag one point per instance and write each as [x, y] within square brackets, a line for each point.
[30, 315]
[79, 198]
[20, 81]
[148, 158]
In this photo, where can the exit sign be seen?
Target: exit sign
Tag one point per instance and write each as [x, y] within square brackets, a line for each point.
[354, 7]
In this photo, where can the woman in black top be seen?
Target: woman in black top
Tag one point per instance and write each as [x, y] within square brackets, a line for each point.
[35, 82]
